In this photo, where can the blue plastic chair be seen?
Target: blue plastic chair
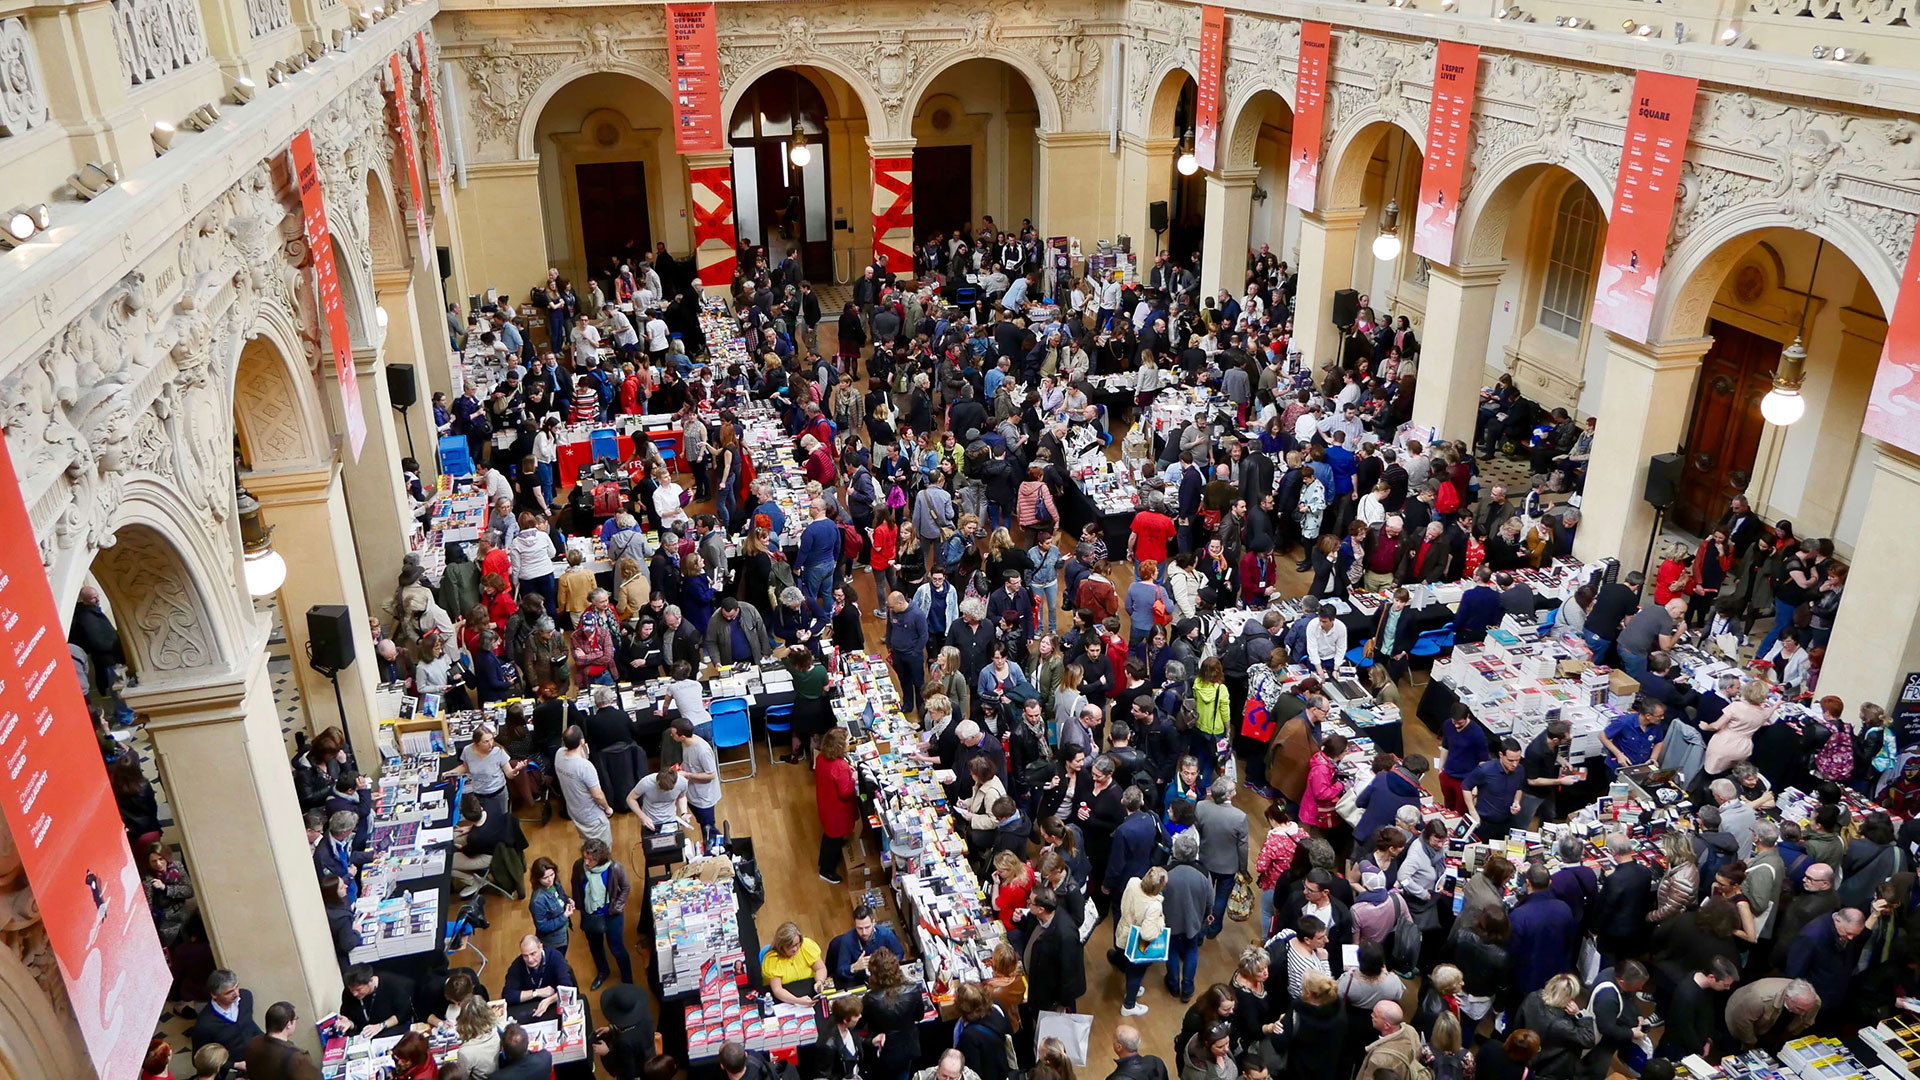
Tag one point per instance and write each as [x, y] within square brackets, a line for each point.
[1429, 645]
[732, 726]
[779, 722]
[1357, 656]
[605, 445]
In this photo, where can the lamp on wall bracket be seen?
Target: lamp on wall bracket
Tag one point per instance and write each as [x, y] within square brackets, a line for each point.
[1186, 164]
[1783, 404]
[1386, 246]
[265, 570]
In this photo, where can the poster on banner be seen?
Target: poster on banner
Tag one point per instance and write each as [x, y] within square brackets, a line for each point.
[403, 121]
[1893, 409]
[65, 823]
[1643, 200]
[1309, 116]
[1213, 51]
[1455, 70]
[326, 279]
[433, 112]
[693, 63]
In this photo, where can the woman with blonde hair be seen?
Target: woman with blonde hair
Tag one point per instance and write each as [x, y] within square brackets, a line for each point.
[635, 588]
[1141, 921]
[935, 712]
[479, 1037]
[1732, 741]
[1011, 883]
[950, 681]
[1007, 987]
[795, 967]
[1553, 1013]
[1313, 1035]
[1680, 885]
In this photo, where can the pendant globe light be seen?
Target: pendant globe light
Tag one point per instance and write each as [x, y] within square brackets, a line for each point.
[1186, 163]
[1783, 404]
[798, 151]
[1386, 246]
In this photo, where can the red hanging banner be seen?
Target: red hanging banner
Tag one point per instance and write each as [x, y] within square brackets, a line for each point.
[1643, 198]
[1213, 51]
[893, 210]
[61, 812]
[1893, 409]
[715, 241]
[693, 60]
[326, 277]
[403, 120]
[1309, 115]
[1444, 167]
[433, 111]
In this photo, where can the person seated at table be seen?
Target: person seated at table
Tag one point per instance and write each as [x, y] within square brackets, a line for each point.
[413, 1058]
[376, 1004]
[799, 619]
[534, 979]
[478, 833]
[441, 994]
[660, 800]
[848, 954]
[795, 967]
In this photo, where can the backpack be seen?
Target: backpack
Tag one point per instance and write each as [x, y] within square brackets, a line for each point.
[850, 541]
[607, 500]
[1403, 941]
[1256, 724]
[1711, 860]
[1449, 1066]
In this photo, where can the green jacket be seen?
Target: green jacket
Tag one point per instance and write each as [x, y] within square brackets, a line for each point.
[1213, 707]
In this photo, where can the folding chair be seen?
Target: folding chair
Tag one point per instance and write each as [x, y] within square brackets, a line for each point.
[779, 722]
[604, 444]
[733, 727]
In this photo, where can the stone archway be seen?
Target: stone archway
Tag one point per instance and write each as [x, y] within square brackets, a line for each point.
[610, 182]
[170, 617]
[975, 126]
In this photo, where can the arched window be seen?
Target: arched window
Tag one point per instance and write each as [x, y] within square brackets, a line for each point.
[1569, 286]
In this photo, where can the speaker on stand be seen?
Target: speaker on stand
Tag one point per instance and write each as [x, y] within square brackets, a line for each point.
[1157, 220]
[1661, 489]
[330, 645]
[403, 392]
[1346, 307]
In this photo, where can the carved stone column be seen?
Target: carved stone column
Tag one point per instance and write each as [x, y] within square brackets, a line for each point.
[507, 248]
[1146, 176]
[308, 512]
[1643, 411]
[426, 300]
[407, 343]
[381, 520]
[224, 765]
[1328, 240]
[1453, 356]
[1075, 190]
[1228, 230]
[1876, 636]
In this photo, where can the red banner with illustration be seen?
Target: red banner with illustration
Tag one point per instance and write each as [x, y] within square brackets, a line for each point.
[64, 820]
[893, 212]
[1213, 50]
[1643, 199]
[1309, 115]
[433, 111]
[693, 61]
[716, 244]
[1893, 409]
[1449, 144]
[326, 276]
[403, 121]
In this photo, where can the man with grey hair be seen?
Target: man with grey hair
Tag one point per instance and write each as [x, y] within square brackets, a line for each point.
[1765, 872]
[1187, 903]
[1083, 731]
[1826, 952]
[1223, 846]
[1726, 691]
[1128, 1062]
[1755, 1011]
[1626, 898]
[680, 640]
[579, 781]
[227, 1018]
[1736, 817]
[342, 852]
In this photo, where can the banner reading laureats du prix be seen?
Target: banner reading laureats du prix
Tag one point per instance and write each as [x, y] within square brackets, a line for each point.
[1309, 116]
[1643, 200]
[403, 120]
[326, 277]
[65, 823]
[1213, 47]
[1455, 70]
[693, 59]
[1893, 409]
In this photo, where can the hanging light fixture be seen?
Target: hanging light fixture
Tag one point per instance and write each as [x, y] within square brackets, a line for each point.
[1386, 246]
[798, 151]
[1783, 404]
[1186, 163]
[266, 571]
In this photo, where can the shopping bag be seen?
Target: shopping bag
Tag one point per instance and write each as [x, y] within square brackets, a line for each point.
[1072, 1029]
[1240, 901]
[1153, 950]
[1588, 962]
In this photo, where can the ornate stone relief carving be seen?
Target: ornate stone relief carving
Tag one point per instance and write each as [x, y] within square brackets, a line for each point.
[23, 93]
[266, 16]
[170, 628]
[156, 37]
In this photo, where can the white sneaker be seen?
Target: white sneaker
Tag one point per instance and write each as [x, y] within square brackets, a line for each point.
[1137, 1010]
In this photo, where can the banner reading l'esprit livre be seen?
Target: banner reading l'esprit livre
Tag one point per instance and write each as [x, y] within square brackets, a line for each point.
[693, 60]
[1309, 115]
[1206, 97]
[403, 120]
[1893, 409]
[1455, 70]
[1643, 200]
[326, 277]
[64, 820]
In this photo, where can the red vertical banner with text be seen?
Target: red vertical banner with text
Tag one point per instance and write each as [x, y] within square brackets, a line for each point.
[1893, 409]
[893, 212]
[693, 62]
[326, 279]
[1444, 168]
[1213, 51]
[1309, 116]
[62, 814]
[403, 121]
[1643, 200]
[715, 243]
[433, 111]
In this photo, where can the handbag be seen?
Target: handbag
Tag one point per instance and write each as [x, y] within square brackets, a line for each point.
[1153, 950]
[1160, 615]
[1240, 901]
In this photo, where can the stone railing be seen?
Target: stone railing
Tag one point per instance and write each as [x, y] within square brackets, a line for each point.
[23, 94]
[157, 37]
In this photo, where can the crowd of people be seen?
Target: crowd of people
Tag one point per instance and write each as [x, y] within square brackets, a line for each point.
[1098, 732]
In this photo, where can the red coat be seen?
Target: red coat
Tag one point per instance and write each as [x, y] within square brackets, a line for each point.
[835, 796]
[1010, 899]
[819, 467]
[1117, 656]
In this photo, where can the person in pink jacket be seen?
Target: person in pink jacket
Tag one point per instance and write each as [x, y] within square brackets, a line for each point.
[1732, 741]
[1324, 788]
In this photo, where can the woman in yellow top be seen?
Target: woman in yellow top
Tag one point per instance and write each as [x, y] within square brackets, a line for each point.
[795, 967]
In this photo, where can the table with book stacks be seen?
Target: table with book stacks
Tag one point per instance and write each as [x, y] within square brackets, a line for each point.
[1368, 723]
[1816, 1058]
[705, 966]
[563, 1034]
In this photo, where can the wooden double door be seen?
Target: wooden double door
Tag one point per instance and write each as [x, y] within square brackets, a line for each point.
[1723, 435]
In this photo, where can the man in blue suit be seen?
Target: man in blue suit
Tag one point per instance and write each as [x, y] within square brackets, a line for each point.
[343, 850]
[1479, 609]
[1544, 932]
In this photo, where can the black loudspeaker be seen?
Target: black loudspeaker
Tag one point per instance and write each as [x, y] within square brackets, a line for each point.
[1157, 216]
[329, 637]
[445, 258]
[1663, 479]
[400, 386]
[1346, 307]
